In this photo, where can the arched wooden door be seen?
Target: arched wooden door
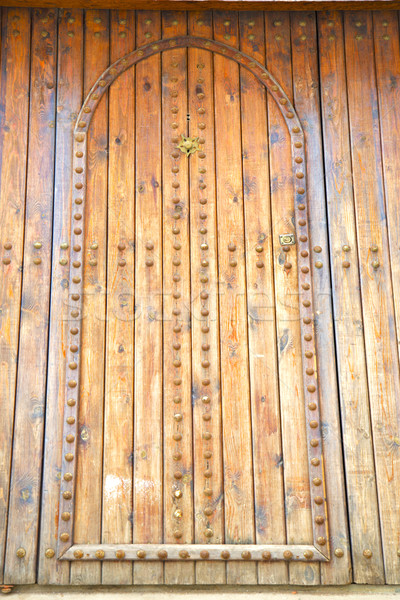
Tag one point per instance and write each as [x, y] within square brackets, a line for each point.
[192, 428]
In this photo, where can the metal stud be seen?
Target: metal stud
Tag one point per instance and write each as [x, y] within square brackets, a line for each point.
[345, 264]
[66, 516]
[64, 537]
[308, 554]
[120, 554]
[78, 554]
[367, 553]
[266, 555]
[21, 552]
[100, 554]
[141, 554]
[184, 554]
[375, 264]
[287, 554]
[225, 554]
[49, 553]
[339, 552]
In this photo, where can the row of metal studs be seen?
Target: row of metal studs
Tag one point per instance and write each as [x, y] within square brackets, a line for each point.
[258, 70]
[176, 312]
[204, 311]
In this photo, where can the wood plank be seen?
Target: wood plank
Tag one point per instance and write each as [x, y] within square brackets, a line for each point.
[118, 401]
[235, 392]
[23, 523]
[295, 467]
[352, 373]
[148, 488]
[208, 459]
[69, 97]
[90, 419]
[267, 441]
[224, 4]
[306, 87]
[178, 438]
[14, 103]
[387, 64]
[376, 285]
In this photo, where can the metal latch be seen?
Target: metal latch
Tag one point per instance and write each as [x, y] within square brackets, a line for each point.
[287, 239]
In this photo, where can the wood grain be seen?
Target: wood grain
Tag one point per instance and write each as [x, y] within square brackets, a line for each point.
[118, 400]
[353, 383]
[148, 488]
[306, 96]
[14, 101]
[208, 458]
[69, 96]
[297, 489]
[90, 420]
[376, 285]
[23, 524]
[235, 385]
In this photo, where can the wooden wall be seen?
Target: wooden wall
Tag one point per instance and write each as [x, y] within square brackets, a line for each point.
[343, 71]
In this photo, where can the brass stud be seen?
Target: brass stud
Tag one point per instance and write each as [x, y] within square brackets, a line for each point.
[66, 516]
[287, 554]
[71, 402]
[321, 541]
[204, 554]
[208, 533]
[149, 262]
[100, 554]
[308, 554]
[7, 246]
[37, 245]
[314, 425]
[63, 261]
[315, 462]
[367, 553]
[78, 554]
[319, 264]
[120, 554]
[162, 554]
[178, 493]
[319, 519]
[311, 388]
[49, 553]
[70, 420]
[302, 222]
[64, 537]
[37, 261]
[184, 554]
[225, 554]
[318, 500]
[68, 477]
[277, 23]
[375, 264]
[21, 552]
[345, 264]
[312, 406]
[141, 554]
[69, 457]
[314, 443]
[339, 552]
[317, 481]
[6, 261]
[67, 495]
[70, 438]
[266, 555]
[246, 555]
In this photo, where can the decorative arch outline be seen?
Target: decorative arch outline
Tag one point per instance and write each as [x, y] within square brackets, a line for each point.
[319, 551]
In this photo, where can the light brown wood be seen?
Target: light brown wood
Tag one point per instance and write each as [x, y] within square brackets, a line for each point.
[376, 285]
[235, 390]
[119, 397]
[70, 73]
[353, 384]
[306, 96]
[15, 60]
[147, 503]
[90, 416]
[25, 489]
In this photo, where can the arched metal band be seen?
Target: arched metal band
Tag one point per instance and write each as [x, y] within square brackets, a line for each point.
[313, 432]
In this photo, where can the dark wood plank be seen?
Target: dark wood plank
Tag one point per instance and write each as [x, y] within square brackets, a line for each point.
[118, 400]
[24, 508]
[306, 88]
[90, 420]
[376, 285]
[69, 98]
[14, 103]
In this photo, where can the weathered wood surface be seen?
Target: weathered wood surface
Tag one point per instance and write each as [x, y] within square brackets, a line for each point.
[241, 463]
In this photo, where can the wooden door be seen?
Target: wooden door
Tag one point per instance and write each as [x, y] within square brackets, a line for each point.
[191, 432]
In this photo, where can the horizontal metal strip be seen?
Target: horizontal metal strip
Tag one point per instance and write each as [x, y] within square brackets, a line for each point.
[224, 552]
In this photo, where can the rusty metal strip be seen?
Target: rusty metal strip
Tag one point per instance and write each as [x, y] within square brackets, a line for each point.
[311, 395]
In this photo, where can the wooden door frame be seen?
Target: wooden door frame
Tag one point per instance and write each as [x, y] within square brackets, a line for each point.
[66, 549]
[272, 5]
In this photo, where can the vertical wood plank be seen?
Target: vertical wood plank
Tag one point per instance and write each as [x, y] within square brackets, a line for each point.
[178, 439]
[14, 110]
[148, 488]
[352, 373]
[307, 101]
[207, 426]
[267, 442]
[90, 423]
[69, 98]
[23, 524]
[376, 285]
[118, 401]
[297, 489]
[235, 392]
